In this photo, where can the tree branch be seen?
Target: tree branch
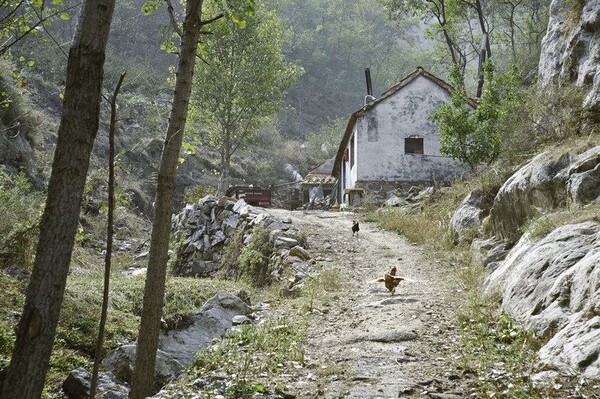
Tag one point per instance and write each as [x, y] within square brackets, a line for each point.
[174, 24]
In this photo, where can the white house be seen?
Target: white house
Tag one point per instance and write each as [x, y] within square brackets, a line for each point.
[391, 141]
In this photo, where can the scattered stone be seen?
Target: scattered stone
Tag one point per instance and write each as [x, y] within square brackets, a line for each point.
[387, 337]
[299, 252]
[293, 292]
[240, 319]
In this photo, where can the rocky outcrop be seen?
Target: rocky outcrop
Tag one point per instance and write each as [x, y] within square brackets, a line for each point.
[534, 189]
[571, 47]
[552, 285]
[489, 253]
[177, 347]
[545, 183]
[468, 215]
[583, 185]
[211, 321]
[78, 383]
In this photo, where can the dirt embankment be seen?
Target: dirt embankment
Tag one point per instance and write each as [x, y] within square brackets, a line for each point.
[368, 343]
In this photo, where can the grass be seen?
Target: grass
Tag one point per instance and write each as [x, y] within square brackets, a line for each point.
[498, 355]
[249, 357]
[545, 224]
[77, 330]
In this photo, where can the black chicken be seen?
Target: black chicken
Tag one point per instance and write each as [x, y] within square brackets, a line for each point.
[355, 227]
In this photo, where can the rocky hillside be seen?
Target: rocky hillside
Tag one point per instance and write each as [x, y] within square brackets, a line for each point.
[544, 254]
[571, 47]
[544, 258]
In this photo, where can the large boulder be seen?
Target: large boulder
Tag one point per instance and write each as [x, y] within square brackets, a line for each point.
[177, 346]
[552, 285]
[212, 321]
[537, 187]
[468, 215]
[78, 384]
[583, 185]
[120, 362]
[571, 48]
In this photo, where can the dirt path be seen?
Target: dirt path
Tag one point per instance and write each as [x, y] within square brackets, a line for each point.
[370, 344]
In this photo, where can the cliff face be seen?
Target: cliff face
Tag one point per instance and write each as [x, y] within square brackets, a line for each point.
[571, 47]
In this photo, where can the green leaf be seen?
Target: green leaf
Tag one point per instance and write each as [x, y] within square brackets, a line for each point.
[190, 148]
[259, 388]
[21, 58]
[38, 3]
[57, 2]
[64, 16]
[31, 63]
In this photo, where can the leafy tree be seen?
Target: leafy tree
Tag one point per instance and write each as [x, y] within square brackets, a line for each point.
[467, 134]
[242, 83]
[334, 41]
[196, 17]
[78, 127]
[444, 13]
[19, 19]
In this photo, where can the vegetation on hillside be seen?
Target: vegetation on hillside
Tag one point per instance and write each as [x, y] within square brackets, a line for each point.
[332, 41]
[529, 123]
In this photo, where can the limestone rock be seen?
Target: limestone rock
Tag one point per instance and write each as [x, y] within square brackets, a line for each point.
[552, 285]
[537, 187]
[203, 231]
[120, 362]
[213, 319]
[468, 215]
[489, 253]
[571, 49]
[299, 252]
[583, 185]
[77, 385]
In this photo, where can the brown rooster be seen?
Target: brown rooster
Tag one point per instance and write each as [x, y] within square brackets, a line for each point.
[390, 280]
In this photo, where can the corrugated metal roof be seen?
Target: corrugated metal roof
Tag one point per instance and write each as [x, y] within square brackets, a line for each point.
[318, 179]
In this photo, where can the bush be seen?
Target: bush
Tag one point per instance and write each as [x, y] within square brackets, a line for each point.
[20, 207]
[254, 262]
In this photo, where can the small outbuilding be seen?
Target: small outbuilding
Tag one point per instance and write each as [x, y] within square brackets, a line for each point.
[391, 141]
[319, 182]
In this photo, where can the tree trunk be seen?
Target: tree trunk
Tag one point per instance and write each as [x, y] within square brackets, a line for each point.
[225, 162]
[142, 384]
[78, 128]
[109, 237]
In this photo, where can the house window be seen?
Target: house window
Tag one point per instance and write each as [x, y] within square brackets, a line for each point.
[413, 145]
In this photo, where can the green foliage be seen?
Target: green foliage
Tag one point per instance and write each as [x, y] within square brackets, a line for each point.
[326, 140]
[194, 193]
[241, 85]
[473, 136]
[254, 262]
[545, 224]
[21, 209]
[19, 19]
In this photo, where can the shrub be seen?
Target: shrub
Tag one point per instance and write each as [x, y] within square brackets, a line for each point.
[254, 262]
[20, 207]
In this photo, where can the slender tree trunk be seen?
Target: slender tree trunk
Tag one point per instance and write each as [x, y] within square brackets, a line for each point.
[109, 236]
[77, 131]
[142, 384]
